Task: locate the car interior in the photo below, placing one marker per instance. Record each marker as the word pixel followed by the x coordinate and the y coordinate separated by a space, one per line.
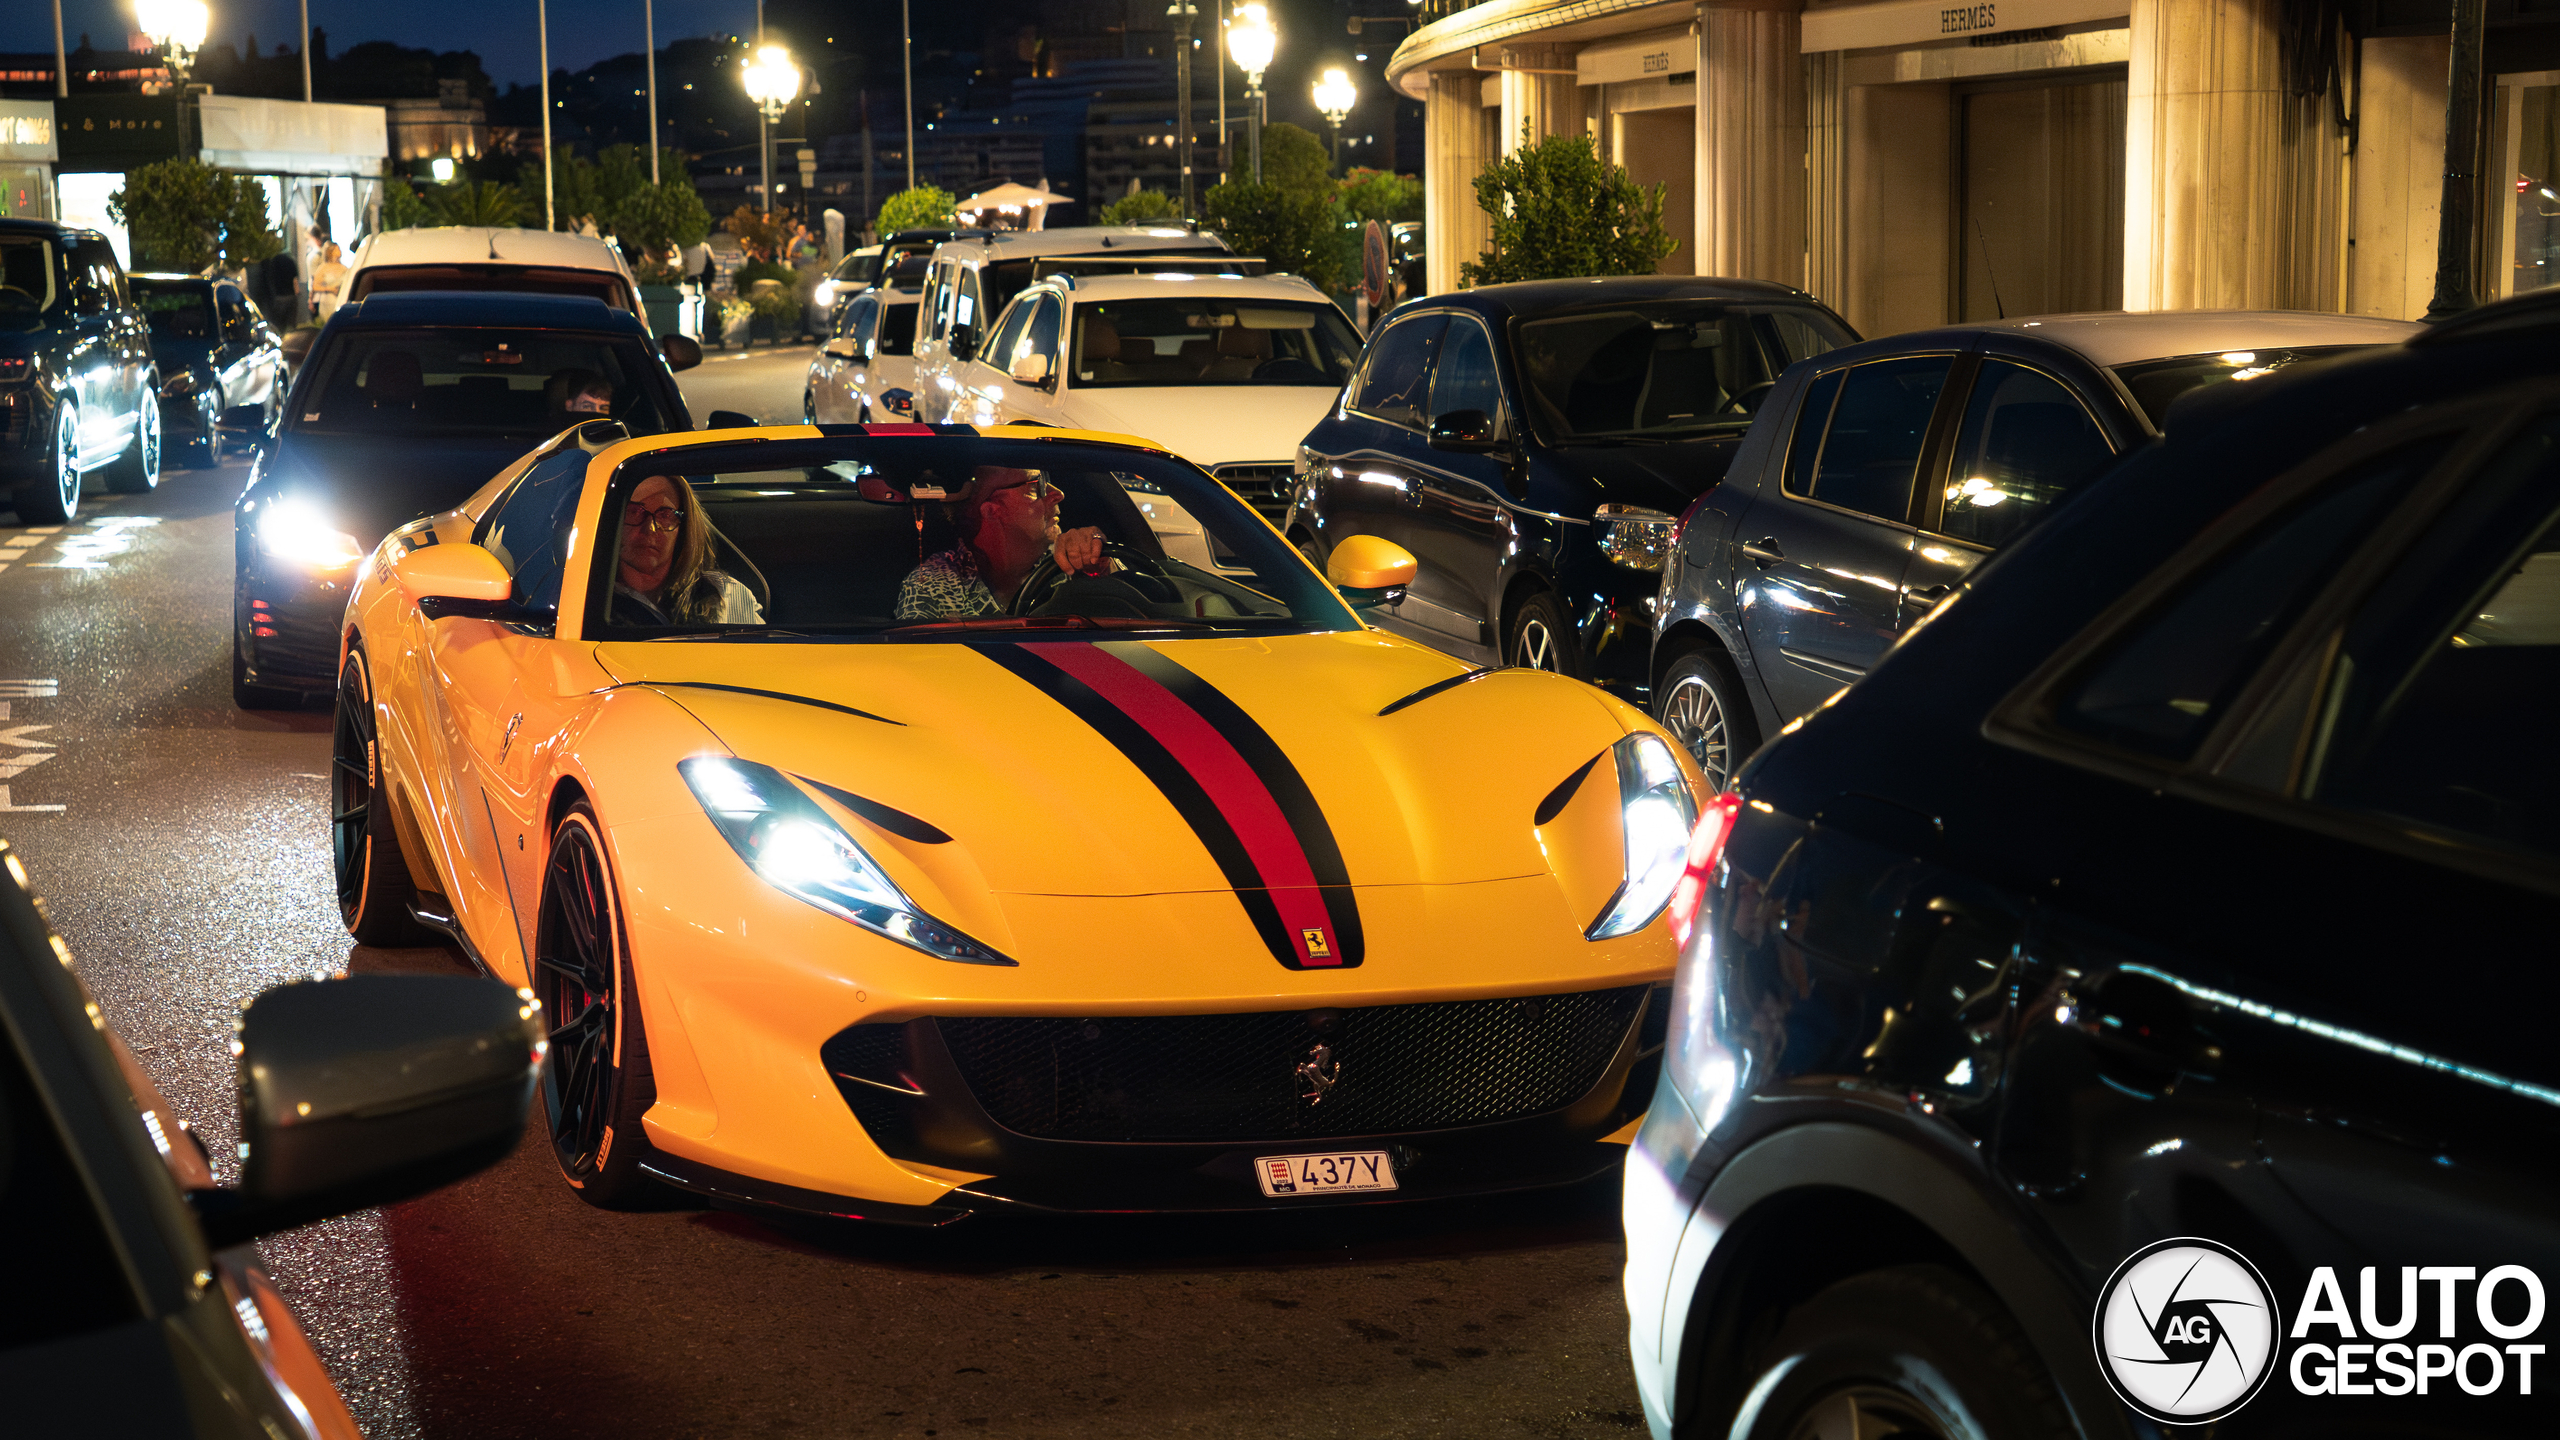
pixel 828 545
pixel 1616 372
pixel 1209 342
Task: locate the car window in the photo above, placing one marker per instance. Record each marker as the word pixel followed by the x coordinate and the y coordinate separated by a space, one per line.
pixel 937 301
pixel 63 1266
pixel 472 382
pixel 177 309
pixel 2157 383
pixel 1042 338
pixel 966 308
pixel 2440 705
pixel 1465 378
pixel 92 287
pixel 28 279
pixel 896 331
pixel 2159 688
pixel 1871 449
pixel 527 529
pixel 1803 334
pixel 2026 442
pixel 1661 368
pixel 852 321
pixel 1394 380
pixel 239 324
pixel 1212 340
pixel 1000 350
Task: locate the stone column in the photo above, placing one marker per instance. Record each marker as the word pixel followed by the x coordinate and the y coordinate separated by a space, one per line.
pixel 2399 175
pixel 1454 144
pixel 1751 142
pixel 2207 169
pixel 1536 105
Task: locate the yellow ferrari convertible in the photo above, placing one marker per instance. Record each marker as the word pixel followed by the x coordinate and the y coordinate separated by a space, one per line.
pixel 891 828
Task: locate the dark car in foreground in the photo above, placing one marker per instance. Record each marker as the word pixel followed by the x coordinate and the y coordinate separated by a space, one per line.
pixel 410 402
pixel 1875 478
pixel 78 392
pixel 222 366
pixel 1530 444
pixel 139 1306
pixel 2182 887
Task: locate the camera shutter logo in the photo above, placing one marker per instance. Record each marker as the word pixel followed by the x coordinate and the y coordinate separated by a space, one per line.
pixel 2186 1331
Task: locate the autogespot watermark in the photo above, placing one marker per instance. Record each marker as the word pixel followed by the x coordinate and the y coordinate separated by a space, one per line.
pixel 2187 1331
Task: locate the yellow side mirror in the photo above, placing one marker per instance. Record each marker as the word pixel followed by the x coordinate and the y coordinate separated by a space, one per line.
pixel 1365 562
pixel 453 572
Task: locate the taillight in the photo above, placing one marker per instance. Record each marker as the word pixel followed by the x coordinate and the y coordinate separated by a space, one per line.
pixel 1706 851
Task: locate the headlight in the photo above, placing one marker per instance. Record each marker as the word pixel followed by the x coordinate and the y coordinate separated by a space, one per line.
pixel 185 382
pixel 1632 535
pixel 826 295
pixel 294 532
pixel 786 839
pixel 1656 814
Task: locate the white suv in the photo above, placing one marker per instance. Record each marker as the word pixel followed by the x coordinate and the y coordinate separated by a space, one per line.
pixel 477 257
pixel 1228 372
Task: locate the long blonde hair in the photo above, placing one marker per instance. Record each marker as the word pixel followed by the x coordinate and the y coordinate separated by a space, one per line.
pixel 693 594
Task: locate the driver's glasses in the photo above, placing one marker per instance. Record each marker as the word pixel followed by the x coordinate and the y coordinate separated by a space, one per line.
pixel 664 519
pixel 1034 489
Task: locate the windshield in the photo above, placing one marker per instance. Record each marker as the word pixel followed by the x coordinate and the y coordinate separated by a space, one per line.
pixel 601 285
pixel 1639 370
pixel 179 308
pixel 897 332
pixel 30 281
pixel 935 537
pixel 2158 383
pixel 1211 340
pixel 529 383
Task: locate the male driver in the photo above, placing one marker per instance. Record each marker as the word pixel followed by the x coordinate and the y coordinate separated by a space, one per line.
pixel 1008 519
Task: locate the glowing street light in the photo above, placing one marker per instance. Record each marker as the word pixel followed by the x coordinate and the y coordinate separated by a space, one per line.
pixel 1251 42
pixel 177 27
pixel 1334 96
pixel 773 81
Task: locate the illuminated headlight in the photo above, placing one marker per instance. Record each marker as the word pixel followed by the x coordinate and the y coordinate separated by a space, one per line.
pixel 294 532
pixel 1633 536
pixel 788 841
pixel 826 293
pixel 1656 814
pixel 185 382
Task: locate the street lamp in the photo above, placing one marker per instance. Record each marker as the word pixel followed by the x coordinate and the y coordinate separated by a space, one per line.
pixel 1251 42
pixel 1335 95
pixel 177 27
pixel 773 82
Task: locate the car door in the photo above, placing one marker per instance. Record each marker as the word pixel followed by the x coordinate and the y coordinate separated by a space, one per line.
pixel 1821 557
pixel 94 360
pixel 1458 529
pixel 985 388
pixel 835 376
pixel 243 361
pixel 2026 441
pixel 1370 486
pixel 1044 403
pixel 932 347
pixel 131 341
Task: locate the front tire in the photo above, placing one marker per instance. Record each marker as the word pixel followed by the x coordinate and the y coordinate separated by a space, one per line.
pixel 1539 638
pixel 137 470
pixel 374 884
pixel 1703 706
pixel 1915 1352
pixel 596 1080
pixel 53 498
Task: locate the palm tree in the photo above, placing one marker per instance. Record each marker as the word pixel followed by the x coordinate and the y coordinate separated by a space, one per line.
pixel 485 203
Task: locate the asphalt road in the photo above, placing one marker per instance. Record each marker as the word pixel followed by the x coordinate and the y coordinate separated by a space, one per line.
pixel 182 846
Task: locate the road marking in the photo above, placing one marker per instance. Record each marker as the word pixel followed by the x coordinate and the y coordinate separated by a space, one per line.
pixel 12 766
pixel 11 807
pixel 107 539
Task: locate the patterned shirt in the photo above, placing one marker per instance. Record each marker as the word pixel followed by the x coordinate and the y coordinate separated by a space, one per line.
pixel 947 586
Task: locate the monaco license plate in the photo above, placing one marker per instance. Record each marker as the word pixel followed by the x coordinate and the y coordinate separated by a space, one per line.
pixel 1340 1172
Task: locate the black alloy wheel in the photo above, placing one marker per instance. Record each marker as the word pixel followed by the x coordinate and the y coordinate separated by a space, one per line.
pixel 137 470
pixel 206 453
pixel 374 885
pixel 1541 640
pixel 596 1081
pixel 53 497
pixel 1704 709
pixel 1916 1352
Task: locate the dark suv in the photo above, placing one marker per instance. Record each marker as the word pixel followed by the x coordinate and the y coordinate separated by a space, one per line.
pixel 78 390
pixel 2183 887
pixel 1531 445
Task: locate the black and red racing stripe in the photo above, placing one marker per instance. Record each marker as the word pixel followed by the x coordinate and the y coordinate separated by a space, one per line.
pixel 1224 775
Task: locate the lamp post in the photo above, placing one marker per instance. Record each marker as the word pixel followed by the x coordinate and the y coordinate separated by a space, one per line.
pixel 177 27
pixel 1182 13
pixel 773 82
pixel 1334 96
pixel 1251 41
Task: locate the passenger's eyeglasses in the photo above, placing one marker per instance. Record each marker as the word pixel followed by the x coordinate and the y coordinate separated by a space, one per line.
pixel 664 519
pixel 1034 490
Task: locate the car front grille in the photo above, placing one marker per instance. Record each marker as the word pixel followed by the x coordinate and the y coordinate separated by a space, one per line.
pixel 1264 487
pixel 1222 1078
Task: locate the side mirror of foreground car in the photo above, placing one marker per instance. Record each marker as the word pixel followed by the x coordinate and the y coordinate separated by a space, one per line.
pixel 1030 369
pixel 1369 571
pixel 841 348
pixel 455 579
pixel 729 420
pixel 683 352
pixel 366 1090
pixel 1469 432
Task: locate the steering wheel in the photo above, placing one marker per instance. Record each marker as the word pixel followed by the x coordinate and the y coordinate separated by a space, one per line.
pixel 17 299
pixel 1139 582
pixel 1746 401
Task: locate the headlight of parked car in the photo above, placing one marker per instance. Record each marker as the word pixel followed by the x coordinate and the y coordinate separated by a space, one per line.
pixel 1633 535
pixel 292 531
pixel 1656 814
pixel 793 846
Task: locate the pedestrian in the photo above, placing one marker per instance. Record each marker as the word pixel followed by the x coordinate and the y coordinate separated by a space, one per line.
pixel 327 279
pixel 284 290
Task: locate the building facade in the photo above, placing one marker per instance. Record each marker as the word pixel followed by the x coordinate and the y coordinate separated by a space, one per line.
pixel 1915 161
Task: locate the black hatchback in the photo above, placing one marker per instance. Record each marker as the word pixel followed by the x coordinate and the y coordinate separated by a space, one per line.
pixel 2130 1004
pixel 1531 444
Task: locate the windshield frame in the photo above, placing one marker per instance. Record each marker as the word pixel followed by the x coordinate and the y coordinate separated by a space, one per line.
pixel 1317 608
